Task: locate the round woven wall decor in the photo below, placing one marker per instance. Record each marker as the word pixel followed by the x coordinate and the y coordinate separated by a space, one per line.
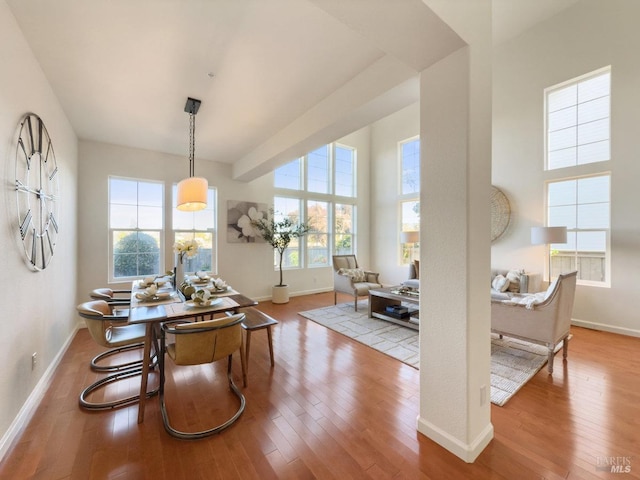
pixel 500 213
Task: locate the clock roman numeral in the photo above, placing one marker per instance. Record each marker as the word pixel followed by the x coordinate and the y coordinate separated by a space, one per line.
pixel 26 155
pixel 30 127
pixel 34 248
pixel 44 257
pixel 53 222
pixel 25 224
pixel 40 134
pixel 50 242
pixel 53 174
pixel 48 150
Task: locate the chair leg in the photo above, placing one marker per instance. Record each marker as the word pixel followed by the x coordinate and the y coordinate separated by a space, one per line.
pixel 355 303
pixel 565 347
pixel 114 351
pixel 84 403
pixel 204 433
pixel 551 356
pixel 335 297
pixel 244 359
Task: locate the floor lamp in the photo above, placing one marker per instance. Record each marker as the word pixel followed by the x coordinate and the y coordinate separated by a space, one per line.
pixel 547 236
pixel 412 238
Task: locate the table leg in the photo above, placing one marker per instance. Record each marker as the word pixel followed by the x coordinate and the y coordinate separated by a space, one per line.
pixel 270 345
pixel 146 360
pixel 247 347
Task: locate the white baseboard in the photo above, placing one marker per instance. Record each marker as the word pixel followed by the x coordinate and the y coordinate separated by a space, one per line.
pixel 296 294
pixel 467 452
pixel 606 328
pixel 33 401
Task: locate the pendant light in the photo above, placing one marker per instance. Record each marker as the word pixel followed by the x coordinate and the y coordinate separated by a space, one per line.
pixel 192 191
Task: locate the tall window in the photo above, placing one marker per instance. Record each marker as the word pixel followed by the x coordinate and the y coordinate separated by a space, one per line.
pixel 344 222
pixel 578 120
pixel 136 213
pixel 200 225
pixel 326 199
pixel 318 237
pixel 582 205
pixel 292 208
pixel 318 171
pixel 409 153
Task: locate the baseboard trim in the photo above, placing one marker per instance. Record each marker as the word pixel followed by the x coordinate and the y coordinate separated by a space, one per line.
pixel 296 294
pixel 467 452
pixel 606 328
pixel 33 401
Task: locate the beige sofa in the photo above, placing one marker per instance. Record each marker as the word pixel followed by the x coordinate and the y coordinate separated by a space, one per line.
pixel 543 318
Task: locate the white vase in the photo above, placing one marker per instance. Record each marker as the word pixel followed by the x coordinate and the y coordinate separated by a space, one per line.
pixel 179 272
pixel 280 294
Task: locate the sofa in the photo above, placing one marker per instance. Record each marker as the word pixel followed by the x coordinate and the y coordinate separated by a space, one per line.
pixel 542 318
pixel 507 282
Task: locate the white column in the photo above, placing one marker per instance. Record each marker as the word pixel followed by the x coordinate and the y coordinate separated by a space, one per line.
pixel 455 252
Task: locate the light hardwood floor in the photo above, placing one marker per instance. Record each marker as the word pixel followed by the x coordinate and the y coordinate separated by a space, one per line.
pixel 334 409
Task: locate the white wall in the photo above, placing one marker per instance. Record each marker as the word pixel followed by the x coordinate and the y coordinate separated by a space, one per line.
pixel 247 267
pixel 590 35
pixel 385 186
pixel 38 308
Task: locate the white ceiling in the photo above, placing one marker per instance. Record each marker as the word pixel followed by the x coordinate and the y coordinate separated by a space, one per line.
pixel 123 69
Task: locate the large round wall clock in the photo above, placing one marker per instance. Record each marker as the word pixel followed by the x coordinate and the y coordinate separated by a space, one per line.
pixel 36 191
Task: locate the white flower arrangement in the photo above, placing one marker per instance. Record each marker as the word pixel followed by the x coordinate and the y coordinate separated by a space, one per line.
pixel 188 248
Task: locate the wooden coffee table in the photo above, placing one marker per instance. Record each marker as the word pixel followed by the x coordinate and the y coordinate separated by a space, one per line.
pixel 381 298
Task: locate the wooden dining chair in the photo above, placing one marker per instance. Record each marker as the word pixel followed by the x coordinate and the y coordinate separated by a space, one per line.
pixel 197 343
pixel 110 329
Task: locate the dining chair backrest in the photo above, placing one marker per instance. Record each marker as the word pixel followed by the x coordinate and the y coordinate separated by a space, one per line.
pixel 98 318
pixel 205 342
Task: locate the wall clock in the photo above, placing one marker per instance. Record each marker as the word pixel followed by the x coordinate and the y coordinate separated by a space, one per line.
pixel 36 191
pixel 500 213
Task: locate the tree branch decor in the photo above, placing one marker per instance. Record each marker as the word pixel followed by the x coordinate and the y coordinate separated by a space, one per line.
pixel 279 234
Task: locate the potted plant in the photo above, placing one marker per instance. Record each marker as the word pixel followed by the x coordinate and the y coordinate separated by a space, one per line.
pixel 279 234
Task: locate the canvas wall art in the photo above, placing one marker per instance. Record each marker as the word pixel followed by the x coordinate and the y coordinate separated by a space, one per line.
pixel 239 217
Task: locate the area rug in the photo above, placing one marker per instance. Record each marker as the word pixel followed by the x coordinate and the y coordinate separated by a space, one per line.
pixel 513 362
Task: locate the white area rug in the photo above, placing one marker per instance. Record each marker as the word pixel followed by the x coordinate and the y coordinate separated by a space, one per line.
pixel 513 362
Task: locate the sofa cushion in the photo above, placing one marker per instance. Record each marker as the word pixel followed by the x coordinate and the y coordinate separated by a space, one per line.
pixel 500 283
pixel 514 280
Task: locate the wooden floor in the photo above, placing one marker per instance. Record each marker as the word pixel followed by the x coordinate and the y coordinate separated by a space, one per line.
pixel 332 408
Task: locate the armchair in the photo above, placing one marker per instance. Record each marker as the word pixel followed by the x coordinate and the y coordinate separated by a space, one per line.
pixel 349 278
pixel 543 318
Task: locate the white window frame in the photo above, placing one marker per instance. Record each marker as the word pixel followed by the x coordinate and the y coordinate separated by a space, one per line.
pixel 111 230
pixel 405 252
pixel 607 254
pixel 577 143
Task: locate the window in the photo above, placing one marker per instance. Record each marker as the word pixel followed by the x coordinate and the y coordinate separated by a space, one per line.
pixel 343 227
pixel 136 213
pixel 292 208
pixel 582 205
pixel 318 237
pixel 578 121
pixel 410 166
pixel 345 162
pixel 289 175
pixel 200 225
pixel 409 152
pixel 318 173
pixel 324 201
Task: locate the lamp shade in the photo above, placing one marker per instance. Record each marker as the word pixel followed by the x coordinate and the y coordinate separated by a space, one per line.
pixel 192 194
pixel 410 237
pixel 547 235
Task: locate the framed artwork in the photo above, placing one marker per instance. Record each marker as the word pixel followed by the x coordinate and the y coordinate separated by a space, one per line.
pixel 239 217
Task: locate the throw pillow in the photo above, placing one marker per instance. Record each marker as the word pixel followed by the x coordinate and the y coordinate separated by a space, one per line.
pixel 500 283
pixel 416 266
pixel 514 280
pixel 356 274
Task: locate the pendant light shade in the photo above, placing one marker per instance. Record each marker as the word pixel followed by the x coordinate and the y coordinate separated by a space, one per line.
pixel 192 194
pixel 192 191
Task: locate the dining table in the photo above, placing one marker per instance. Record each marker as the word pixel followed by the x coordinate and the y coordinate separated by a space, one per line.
pixel 164 303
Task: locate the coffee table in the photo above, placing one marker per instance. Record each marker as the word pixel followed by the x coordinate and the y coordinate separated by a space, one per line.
pixel 381 298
